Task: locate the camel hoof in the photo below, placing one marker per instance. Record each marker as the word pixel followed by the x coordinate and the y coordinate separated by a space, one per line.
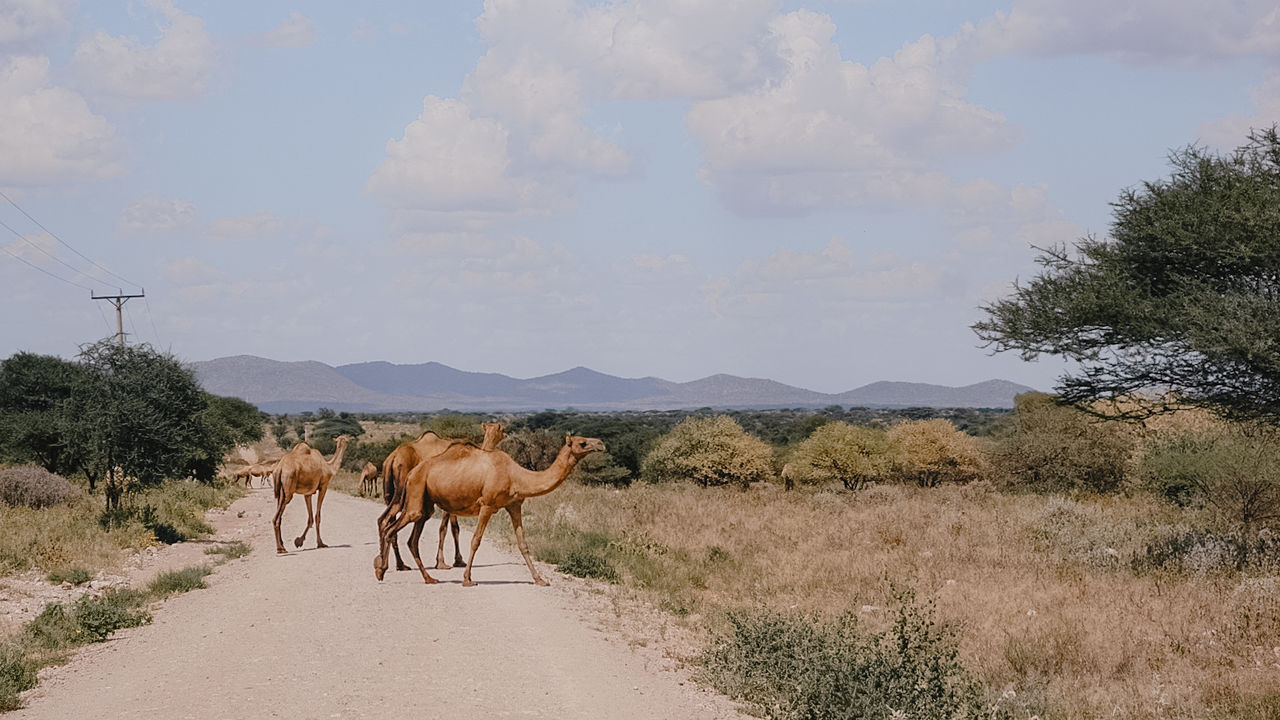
pixel 442 566
pixel 459 563
pixel 468 583
pixel 540 582
pixel 378 573
pixel 297 542
pixel 321 545
pixel 430 580
pixel 281 551
pixel 402 566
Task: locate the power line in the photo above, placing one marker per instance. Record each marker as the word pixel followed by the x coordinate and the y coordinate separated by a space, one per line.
pixel 154 331
pixel 24 261
pixel 64 243
pixel 46 253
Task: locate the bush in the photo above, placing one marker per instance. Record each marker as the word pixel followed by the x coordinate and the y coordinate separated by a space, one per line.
pixel 929 452
pixel 1201 551
pixel 708 451
pixel 587 564
pixel 1050 447
pixel 1233 470
pixel 535 450
pixel 17 673
pixel 98 617
pixel 34 487
pixel 74 575
pixel 851 454
pixel 600 469
pixel 795 667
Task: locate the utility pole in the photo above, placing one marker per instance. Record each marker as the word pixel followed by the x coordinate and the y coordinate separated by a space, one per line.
pixel 119 301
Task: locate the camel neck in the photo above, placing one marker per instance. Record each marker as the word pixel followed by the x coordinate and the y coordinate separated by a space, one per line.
pixel 544 481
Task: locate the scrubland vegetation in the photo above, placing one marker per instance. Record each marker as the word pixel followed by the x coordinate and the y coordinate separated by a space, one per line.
pixel 1055 566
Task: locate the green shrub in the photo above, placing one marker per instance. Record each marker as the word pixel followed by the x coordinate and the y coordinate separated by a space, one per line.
pixel 35 487
pixel 588 564
pixel 17 673
pixel 1049 447
pixel 55 628
pixel 708 451
pixel 838 451
pixel 117 608
pixel 792 667
pixel 1233 470
pixel 179 581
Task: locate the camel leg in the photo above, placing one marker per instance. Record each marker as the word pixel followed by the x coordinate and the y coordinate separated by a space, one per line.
pixel 416 534
pixel 444 531
pixel 515 512
pixel 457 553
pixel 297 542
pixel 275 523
pixel 486 512
pixel 380 563
pixel 319 504
pixel 386 520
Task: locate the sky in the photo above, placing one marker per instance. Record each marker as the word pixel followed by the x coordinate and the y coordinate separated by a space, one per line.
pixel 821 193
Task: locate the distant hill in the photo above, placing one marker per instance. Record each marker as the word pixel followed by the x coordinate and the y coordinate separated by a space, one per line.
pixel 276 386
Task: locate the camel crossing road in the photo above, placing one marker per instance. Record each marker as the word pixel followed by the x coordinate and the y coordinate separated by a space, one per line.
pixel 312 634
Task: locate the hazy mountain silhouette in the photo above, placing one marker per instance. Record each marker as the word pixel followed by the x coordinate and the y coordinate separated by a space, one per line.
pixel 276 386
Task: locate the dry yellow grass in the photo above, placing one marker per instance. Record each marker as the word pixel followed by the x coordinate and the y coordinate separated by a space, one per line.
pixel 1040 588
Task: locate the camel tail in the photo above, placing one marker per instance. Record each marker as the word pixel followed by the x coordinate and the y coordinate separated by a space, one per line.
pixel 388 481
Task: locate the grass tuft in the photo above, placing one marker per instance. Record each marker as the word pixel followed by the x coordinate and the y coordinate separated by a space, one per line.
pixel 233 550
pixel 179 581
pixel 74 575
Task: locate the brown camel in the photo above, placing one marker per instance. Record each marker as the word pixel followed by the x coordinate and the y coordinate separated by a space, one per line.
pixel 262 470
pixel 368 478
pixel 493 434
pixel 465 480
pixel 305 472
pixel 245 473
pixel 396 468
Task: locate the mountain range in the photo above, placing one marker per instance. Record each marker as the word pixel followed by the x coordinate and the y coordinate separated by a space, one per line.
pixel 276 387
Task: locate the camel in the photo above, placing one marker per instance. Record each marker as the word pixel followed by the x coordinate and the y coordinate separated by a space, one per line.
pixel 262 470
pixel 368 478
pixel 465 480
pixel 245 473
pixel 305 472
pixel 396 468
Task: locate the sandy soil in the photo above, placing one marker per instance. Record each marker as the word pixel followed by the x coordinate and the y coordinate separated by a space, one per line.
pixel 312 634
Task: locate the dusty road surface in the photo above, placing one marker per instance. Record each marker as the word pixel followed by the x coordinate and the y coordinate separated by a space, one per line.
pixel 312 635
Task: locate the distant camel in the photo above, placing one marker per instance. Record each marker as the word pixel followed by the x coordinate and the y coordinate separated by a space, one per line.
pixel 368 478
pixel 305 472
pixel 465 480
pixel 403 459
pixel 262 470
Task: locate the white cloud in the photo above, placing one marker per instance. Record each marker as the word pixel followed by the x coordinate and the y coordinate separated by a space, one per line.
pixel 176 67
pixel 49 134
pixel 190 271
pixel 672 264
pixel 297 31
pixel 155 214
pixel 540 102
pixel 24 23
pixel 451 161
pixel 639 49
pixel 245 227
pixel 1233 131
pixel 834 133
pixel 1133 30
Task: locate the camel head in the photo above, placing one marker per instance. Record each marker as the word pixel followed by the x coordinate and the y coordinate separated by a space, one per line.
pixel 580 446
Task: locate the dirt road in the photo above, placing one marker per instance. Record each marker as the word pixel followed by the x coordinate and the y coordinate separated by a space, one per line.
pixel 313 635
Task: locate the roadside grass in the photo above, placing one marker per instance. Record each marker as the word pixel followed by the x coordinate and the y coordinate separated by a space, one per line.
pixel 62 540
pixel 60 628
pixel 233 550
pixel 1049 605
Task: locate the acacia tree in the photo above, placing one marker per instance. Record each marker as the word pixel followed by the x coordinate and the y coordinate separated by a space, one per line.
pixel 134 413
pixel 708 451
pixel 33 390
pixel 1181 306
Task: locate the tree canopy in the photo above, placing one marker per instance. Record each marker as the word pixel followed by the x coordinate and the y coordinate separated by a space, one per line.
pixel 1180 306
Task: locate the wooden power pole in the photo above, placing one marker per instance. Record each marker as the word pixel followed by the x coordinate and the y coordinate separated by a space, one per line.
pixel 119 301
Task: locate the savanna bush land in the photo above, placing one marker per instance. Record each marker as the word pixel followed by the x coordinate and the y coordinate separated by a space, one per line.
pixel 1038 562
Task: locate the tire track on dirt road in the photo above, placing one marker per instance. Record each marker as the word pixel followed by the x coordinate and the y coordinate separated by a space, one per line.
pixel 312 635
